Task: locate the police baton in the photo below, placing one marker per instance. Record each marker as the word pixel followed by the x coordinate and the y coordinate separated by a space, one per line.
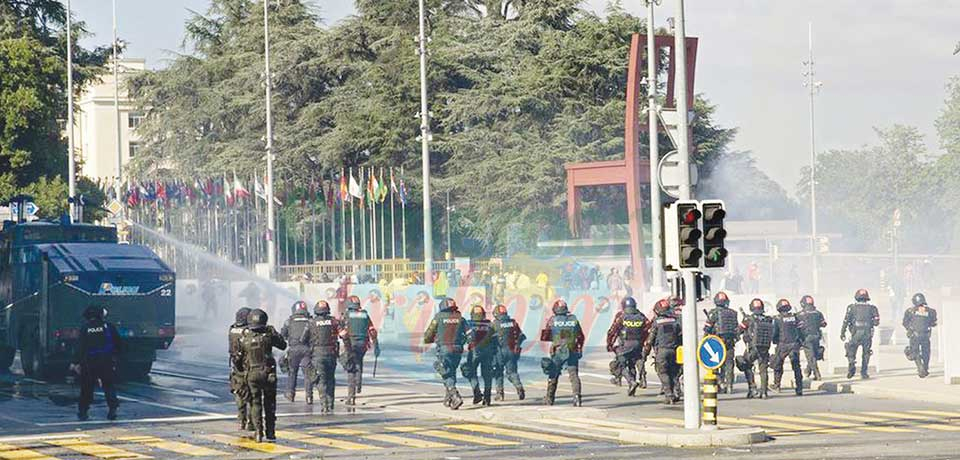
pixel 376 359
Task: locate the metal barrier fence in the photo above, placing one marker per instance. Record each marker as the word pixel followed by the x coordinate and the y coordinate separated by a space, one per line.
pixel 388 269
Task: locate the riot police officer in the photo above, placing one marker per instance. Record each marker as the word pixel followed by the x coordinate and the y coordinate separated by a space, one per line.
pixel 256 359
pixel 447 329
pixel 812 321
pixel 564 333
pixel 362 334
pixel 757 332
pixel 861 318
pixel 629 328
pixel 510 338
pixel 481 353
pixel 665 337
pixel 325 336
pixel 787 334
pixel 722 321
pixel 919 320
pixel 96 361
pixel 296 331
pixel 238 379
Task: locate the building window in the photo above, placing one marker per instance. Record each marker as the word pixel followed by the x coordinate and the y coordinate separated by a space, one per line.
pixel 134 149
pixel 134 120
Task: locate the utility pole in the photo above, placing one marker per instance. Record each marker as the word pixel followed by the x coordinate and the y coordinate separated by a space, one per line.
pixel 813 87
pixel 71 163
pixel 449 247
pixel 116 101
pixel 656 210
pixel 691 370
pixel 271 211
pixel 425 155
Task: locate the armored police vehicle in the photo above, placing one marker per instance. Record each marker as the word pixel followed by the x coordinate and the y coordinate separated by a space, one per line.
pixel 50 272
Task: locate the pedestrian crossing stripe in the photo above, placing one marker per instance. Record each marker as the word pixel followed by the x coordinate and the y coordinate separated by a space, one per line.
pixel 452 436
pixel 938 413
pixel 514 433
pixel 900 415
pixel 832 424
pixel 854 418
pixel 784 427
pixel 323 442
pixel 93 449
pixel 10 452
pixel 173 446
pixel 250 444
pixel 937 427
pixel 340 431
pixel 406 441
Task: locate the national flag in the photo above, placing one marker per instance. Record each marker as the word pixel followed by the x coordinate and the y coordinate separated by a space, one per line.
pixel 343 187
pixel 239 191
pixel 354 189
pixel 330 192
pixel 228 197
pixel 133 194
pixel 371 186
pixel 381 188
pixel 403 192
pixel 258 188
pixel 393 184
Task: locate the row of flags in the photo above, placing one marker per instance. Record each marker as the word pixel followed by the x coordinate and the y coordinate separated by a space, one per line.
pixel 366 189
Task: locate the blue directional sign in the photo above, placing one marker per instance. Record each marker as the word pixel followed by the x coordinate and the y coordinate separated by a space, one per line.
pixel 712 352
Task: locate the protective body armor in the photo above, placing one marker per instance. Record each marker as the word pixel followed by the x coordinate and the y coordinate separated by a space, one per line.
pixel 510 335
pixel 727 321
pixel 480 337
pixel 563 331
pixel 99 339
pixel 863 316
pixel 449 330
pixel 358 324
pixel 760 331
pixel 788 328
pixel 257 349
pixel 324 339
pixel 634 323
pixel 810 322
pixel 668 332
pixel 921 320
pixel 297 331
pixel 233 338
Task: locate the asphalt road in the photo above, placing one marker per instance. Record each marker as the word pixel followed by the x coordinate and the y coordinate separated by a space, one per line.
pixel 185 410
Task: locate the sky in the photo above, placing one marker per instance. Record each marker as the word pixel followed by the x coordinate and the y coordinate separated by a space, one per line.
pixel 881 62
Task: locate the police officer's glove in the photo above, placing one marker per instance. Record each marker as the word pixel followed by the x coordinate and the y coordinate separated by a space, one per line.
pixel 376 349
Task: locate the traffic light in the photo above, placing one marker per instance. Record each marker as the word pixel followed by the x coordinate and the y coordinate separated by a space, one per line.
pixel 714 252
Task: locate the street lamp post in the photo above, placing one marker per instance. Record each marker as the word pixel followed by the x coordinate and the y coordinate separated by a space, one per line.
pixel 425 151
pixel 116 101
pixel 813 87
pixel 655 206
pixel 271 211
pixel 71 163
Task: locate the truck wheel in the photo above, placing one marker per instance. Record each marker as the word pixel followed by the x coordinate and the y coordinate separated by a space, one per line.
pixel 6 358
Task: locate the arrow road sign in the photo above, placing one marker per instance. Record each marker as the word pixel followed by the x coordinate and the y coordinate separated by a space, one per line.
pixel 712 352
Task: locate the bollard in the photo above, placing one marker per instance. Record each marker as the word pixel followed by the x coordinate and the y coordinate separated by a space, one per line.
pixel 709 400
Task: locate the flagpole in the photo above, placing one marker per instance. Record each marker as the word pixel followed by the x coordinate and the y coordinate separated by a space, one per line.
pixel 353 225
pixel 393 221
pixel 373 213
pixel 343 220
pixel 363 220
pixel 403 219
pixel 332 213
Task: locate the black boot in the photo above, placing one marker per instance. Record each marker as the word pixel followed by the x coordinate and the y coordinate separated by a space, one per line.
pixel 577 401
pixel 259 436
pixel 777 376
pixel 477 395
pixel 486 397
pixel 816 373
pixel 633 389
pixel 851 370
pixel 520 393
pixel 864 371
pixel 83 415
pixel 500 395
pixel 289 395
pixel 112 413
pixel 751 392
pixel 455 400
pixel 551 392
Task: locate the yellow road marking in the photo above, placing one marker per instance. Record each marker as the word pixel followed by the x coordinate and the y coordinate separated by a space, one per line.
pixel 324 442
pixel 937 427
pixel 900 415
pixel 855 418
pixel 173 446
pixel 789 427
pixel 452 436
pixel 514 433
pixel 404 441
pixel 11 452
pixel 93 449
pixel 343 431
pixel 835 424
pixel 250 444
pixel 938 413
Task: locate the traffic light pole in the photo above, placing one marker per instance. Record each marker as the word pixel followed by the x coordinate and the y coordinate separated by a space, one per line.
pixel 691 372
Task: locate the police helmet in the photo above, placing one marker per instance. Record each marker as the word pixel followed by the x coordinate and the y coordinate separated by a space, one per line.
pixel 662 306
pixel 242 314
pixel 353 303
pixel 257 319
pixel 862 295
pixel 477 312
pixel 448 304
pixel 721 299
pixel 322 308
pixel 756 306
pixel 807 301
pixel 628 303
pixel 299 308
pixel 783 306
pixel 93 312
pixel 919 299
pixel 500 311
pixel 560 307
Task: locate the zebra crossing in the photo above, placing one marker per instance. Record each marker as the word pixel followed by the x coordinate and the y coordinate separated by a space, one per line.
pixel 128 444
pixel 838 423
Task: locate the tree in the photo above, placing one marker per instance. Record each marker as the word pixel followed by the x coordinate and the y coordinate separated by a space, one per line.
pixel 33 94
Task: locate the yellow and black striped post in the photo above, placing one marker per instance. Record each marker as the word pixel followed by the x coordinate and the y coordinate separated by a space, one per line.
pixel 709 400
